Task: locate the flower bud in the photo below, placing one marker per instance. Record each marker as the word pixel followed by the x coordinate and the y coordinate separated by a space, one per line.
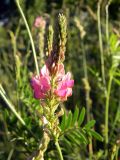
pixel 40 22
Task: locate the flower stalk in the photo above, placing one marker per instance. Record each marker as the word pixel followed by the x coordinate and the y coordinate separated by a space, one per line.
pixel 59 149
pixel 107 112
pixel 43 146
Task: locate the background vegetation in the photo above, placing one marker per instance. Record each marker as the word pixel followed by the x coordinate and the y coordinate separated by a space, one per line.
pixel 92 55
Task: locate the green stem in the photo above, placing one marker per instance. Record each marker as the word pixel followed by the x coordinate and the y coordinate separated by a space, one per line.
pixel 107 111
pixel 116 155
pixel 101 46
pixel 30 36
pixel 86 78
pixel 87 96
pixel 84 60
pixel 59 150
pixel 115 119
pixel 107 26
pixel 10 154
pixel 11 107
pixel 107 21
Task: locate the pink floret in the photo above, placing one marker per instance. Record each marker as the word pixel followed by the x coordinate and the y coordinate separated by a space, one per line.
pixel 41 84
pixel 64 87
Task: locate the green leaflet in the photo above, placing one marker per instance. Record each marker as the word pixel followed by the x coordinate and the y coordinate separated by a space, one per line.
pixel 69 119
pixel 90 124
pixel 72 119
pixel 96 135
pixel 63 123
pixel 75 116
pixel 81 117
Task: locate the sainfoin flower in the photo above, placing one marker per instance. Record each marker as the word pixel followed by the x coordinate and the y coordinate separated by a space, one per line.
pixel 61 89
pixel 39 22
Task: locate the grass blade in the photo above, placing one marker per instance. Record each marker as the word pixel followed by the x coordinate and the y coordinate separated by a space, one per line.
pixel 12 108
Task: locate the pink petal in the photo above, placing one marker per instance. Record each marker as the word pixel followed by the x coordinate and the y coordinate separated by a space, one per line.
pixel 45 84
pixel 35 82
pixel 61 85
pixel 61 71
pixel 64 98
pixel 38 94
pixel 67 76
pixel 44 71
pixel 41 84
pixel 69 92
pixel 70 83
pixel 66 84
pixel 61 93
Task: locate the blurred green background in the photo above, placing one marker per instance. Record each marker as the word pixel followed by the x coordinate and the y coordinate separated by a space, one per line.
pixel 17 65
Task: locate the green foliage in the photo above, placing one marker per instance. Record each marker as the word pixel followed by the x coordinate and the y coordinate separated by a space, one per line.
pixel 74 133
